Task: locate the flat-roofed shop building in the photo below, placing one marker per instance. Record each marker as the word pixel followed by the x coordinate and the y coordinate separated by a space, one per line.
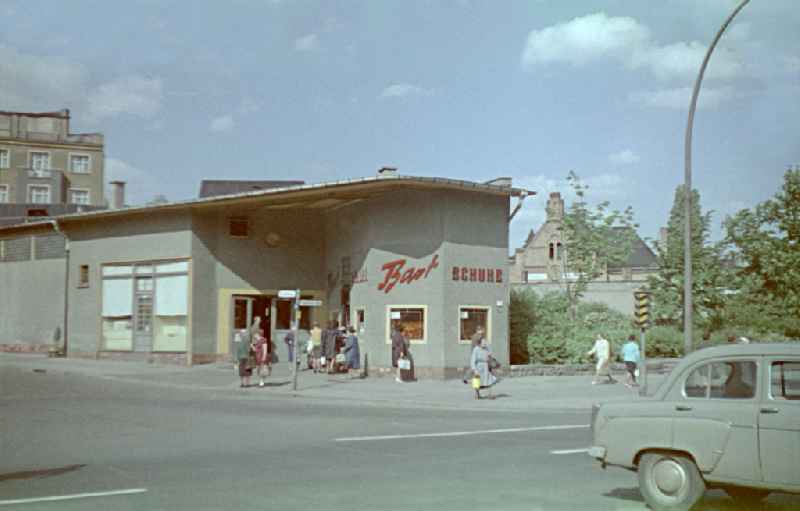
pixel 174 281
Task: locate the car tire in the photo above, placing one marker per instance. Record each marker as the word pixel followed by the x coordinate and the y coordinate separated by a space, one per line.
pixel 669 481
pixel 750 497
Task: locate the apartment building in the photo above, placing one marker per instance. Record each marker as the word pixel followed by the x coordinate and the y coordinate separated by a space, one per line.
pixel 44 167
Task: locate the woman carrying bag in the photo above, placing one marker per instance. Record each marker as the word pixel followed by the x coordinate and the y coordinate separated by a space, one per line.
pixel 482 364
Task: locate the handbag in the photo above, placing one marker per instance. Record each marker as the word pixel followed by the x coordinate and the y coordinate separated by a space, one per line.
pixel 493 364
pixel 340 358
pixel 404 364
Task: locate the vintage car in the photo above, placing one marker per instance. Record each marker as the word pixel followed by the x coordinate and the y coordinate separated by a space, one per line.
pixel 726 417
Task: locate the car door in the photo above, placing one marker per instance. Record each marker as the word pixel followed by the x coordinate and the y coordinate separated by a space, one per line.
pixel 779 422
pixel 715 419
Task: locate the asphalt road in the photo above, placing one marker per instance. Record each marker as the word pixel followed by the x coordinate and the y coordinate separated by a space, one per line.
pixel 176 448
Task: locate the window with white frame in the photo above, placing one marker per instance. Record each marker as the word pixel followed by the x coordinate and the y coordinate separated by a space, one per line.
pixel 4 159
pixel 79 163
pixel 39 194
pixel 411 318
pixel 40 161
pixel 3 193
pixel 472 317
pixel 78 196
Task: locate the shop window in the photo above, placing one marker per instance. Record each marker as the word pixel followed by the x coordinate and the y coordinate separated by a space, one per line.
pixel 83 276
pixel 238 227
pixel 470 319
pixel 149 300
pixel 411 318
pixel 785 380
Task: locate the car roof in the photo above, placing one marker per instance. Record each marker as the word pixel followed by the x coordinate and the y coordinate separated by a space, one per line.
pixel 751 349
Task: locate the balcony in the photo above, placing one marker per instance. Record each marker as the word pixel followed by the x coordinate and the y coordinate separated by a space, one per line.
pixel 41 173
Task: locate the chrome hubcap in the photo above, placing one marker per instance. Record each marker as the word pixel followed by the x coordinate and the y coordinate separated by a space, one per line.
pixel 669 476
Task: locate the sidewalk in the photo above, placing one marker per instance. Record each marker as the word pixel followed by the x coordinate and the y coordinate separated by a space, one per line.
pixel 522 394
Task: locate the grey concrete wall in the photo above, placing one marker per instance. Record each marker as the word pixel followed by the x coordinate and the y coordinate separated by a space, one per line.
pixel 204 284
pixel 129 239
pixel 477 237
pixel 405 225
pixel 617 295
pixel 458 228
pixel 31 301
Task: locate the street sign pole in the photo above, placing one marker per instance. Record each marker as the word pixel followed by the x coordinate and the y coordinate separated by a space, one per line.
pixel 293 347
pixel 643 365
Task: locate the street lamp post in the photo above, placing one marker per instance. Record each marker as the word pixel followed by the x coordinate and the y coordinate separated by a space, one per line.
pixel 687 231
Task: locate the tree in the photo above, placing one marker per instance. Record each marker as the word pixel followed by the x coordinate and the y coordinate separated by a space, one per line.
pixel 593 240
pixel 708 271
pixel 766 241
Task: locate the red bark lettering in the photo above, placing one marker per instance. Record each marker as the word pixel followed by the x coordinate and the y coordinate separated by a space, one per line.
pixel 499 277
pixel 481 275
pixel 434 264
pixel 490 274
pixel 464 273
pixel 455 272
pixel 392 269
pixel 473 274
pixel 418 274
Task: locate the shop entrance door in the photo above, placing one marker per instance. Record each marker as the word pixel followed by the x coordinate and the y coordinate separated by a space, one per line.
pixel 143 314
pixel 245 309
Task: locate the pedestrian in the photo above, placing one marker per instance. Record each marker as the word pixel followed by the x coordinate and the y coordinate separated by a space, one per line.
pixel 352 352
pixel 263 362
pixel 601 350
pixel 481 364
pixel 290 343
pixel 242 343
pixel 399 349
pixel 316 346
pixel 330 348
pixel 478 336
pixel 631 356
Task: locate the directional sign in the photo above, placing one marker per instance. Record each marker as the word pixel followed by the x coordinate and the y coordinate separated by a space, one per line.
pixel 287 293
pixel 310 303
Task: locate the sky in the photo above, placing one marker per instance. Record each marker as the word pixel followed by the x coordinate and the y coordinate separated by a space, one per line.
pixel 474 90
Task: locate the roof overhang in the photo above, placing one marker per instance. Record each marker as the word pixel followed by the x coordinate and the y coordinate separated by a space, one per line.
pixel 320 197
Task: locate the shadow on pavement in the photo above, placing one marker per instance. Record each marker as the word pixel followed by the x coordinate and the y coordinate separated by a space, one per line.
pixel 631 494
pixel 45 472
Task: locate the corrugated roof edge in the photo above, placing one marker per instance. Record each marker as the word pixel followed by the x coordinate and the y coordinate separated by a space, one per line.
pixel 454 183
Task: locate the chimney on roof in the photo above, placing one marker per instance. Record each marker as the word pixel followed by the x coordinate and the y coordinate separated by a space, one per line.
pixel 387 171
pixel 117 194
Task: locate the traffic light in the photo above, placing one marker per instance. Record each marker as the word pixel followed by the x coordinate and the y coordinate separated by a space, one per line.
pixel 641 307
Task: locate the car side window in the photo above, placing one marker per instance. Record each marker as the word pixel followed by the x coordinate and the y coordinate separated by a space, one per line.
pixel 733 380
pixel 722 380
pixel 697 383
pixel 785 380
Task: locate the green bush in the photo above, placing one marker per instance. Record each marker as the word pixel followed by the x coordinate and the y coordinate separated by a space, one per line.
pixel 664 342
pixel 522 318
pixel 559 339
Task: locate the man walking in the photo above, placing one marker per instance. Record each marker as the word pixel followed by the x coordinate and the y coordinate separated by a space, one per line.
pixel 631 356
pixel 601 350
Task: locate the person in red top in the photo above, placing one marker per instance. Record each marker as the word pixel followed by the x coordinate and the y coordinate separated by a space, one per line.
pixel 261 350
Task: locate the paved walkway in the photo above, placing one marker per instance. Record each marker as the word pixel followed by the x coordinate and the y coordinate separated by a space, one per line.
pixel 525 394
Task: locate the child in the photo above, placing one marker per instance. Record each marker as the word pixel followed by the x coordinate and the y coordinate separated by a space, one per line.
pixel 476 384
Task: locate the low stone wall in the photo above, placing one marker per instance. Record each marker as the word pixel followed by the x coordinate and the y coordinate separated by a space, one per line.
pixel 25 348
pixel 660 366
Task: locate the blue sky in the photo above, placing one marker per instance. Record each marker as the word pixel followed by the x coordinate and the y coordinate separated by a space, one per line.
pixel 293 89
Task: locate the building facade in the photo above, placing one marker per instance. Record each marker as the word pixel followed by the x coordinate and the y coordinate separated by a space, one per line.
pixel 42 164
pixel 538 264
pixel 176 281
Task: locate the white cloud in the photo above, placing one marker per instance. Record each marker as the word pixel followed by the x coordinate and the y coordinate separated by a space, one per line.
pixel 595 36
pixel 401 90
pixel 624 157
pixel 133 95
pixel 307 43
pixel 678 98
pixel 223 124
pixel 583 39
pixel 140 187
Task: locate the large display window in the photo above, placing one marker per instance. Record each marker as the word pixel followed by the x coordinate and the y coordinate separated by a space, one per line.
pixel 413 318
pixel 145 306
pixel 470 318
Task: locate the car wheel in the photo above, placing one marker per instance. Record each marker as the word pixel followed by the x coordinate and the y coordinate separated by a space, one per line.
pixel 750 497
pixel 670 482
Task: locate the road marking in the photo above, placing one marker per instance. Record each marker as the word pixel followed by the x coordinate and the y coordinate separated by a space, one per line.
pixel 569 451
pixel 75 496
pixel 459 433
